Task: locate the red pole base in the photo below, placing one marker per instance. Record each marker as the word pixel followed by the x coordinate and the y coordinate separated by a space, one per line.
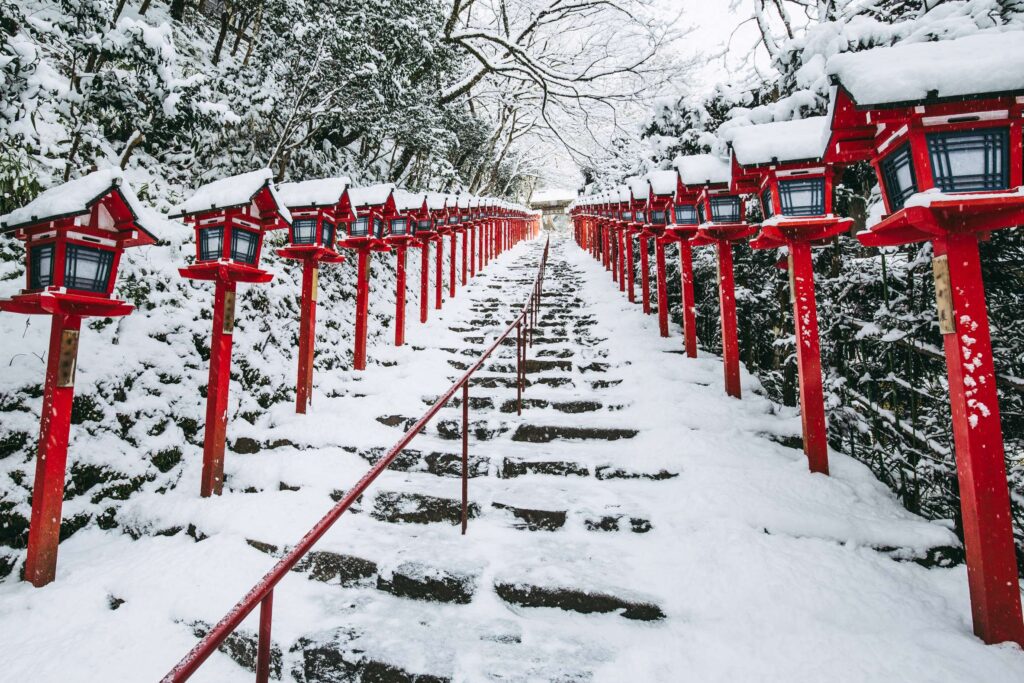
pixel 689 300
pixel 439 274
pixel 808 355
pixel 400 296
pixel 52 453
pixel 424 281
pixel 630 274
pixel 727 302
pixel 307 335
pixel 212 481
pixel 362 309
pixel 659 257
pixel 451 269
pixel 645 275
pixel 980 456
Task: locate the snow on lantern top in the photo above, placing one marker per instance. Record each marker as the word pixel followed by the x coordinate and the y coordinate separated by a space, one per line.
pixel 702 169
pixel 662 182
pixel 313 193
pixel 781 141
pixel 983 63
pixel 255 188
pixel 374 206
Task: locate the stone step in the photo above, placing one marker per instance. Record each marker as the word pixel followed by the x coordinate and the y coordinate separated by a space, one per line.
pixel 440 464
pixel 571 407
pixel 576 600
pixel 549 433
pixel 605 472
pixel 416 508
pixel 511 468
pixel 339 655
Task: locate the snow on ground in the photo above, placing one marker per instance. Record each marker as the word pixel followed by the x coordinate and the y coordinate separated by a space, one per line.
pixel 757 569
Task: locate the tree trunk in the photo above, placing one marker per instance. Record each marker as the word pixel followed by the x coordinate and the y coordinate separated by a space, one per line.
pixel 178 9
pixel 225 20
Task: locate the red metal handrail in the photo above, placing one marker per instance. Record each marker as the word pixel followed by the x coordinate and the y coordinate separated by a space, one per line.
pixel 263 592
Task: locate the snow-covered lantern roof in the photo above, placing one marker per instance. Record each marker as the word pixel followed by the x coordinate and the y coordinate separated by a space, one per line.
pixel 784 164
pixel 230 217
pixel 703 194
pixel 318 207
pixel 942 116
pixel 374 207
pixel 639 190
pixel 75 234
pixel 411 210
pixel 662 187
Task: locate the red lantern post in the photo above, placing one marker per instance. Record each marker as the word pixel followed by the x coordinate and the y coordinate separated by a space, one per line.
pixel 74 236
pixel 230 217
pixel 947 153
pixel 639 191
pixel 720 218
pixel 784 165
pixel 373 207
pixel 317 207
pixel 411 211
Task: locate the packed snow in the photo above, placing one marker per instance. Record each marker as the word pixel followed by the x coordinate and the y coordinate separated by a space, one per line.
pixel 700 169
pixel 799 140
pixel 319 192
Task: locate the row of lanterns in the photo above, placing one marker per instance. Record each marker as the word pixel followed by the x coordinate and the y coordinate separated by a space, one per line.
pixel 75 235
pixel 947 154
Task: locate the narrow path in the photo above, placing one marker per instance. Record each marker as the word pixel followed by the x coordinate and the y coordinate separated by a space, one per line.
pixel 633 525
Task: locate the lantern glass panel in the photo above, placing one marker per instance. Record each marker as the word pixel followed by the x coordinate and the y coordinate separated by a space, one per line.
pixel 659 218
pixel 378 226
pixel 640 218
pixel 87 268
pixel 725 209
pixel 452 220
pixel 423 226
pixel 686 215
pixel 627 215
pixel 399 226
pixel 898 177
pixel 438 222
pixel 360 227
pixel 243 245
pixel 211 243
pixel 328 234
pixel 804 197
pixel 767 209
pixel 304 231
pixel 41 266
pixel 971 161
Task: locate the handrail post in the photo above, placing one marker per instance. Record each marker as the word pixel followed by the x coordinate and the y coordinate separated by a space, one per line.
pixel 519 368
pixel 263 647
pixel 465 456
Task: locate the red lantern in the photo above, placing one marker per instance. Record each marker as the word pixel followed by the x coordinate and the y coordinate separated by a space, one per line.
pixel 74 236
pixel 784 165
pixel 318 208
pixel 720 221
pixel 444 220
pixel 373 207
pixel 942 125
pixel 623 215
pixel 230 217
pixel 412 211
pixel 637 218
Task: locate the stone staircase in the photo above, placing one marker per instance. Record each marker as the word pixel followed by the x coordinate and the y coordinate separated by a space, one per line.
pixel 543 561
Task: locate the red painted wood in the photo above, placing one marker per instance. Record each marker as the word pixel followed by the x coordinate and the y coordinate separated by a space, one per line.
pixel 622 259
pixel 51 461
pixel 472 251
pixel 451 263
pixel 727 303
pixel 630 268
pixel 307 337
pixel 424 280
pixel 218 384
pixel 645 274
pixel 659 257
pixel 439 273
pixel 400 295
pixel 808 353
pixel 465 254
pixel 689 300
pixel 980 458
pixel 362 309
